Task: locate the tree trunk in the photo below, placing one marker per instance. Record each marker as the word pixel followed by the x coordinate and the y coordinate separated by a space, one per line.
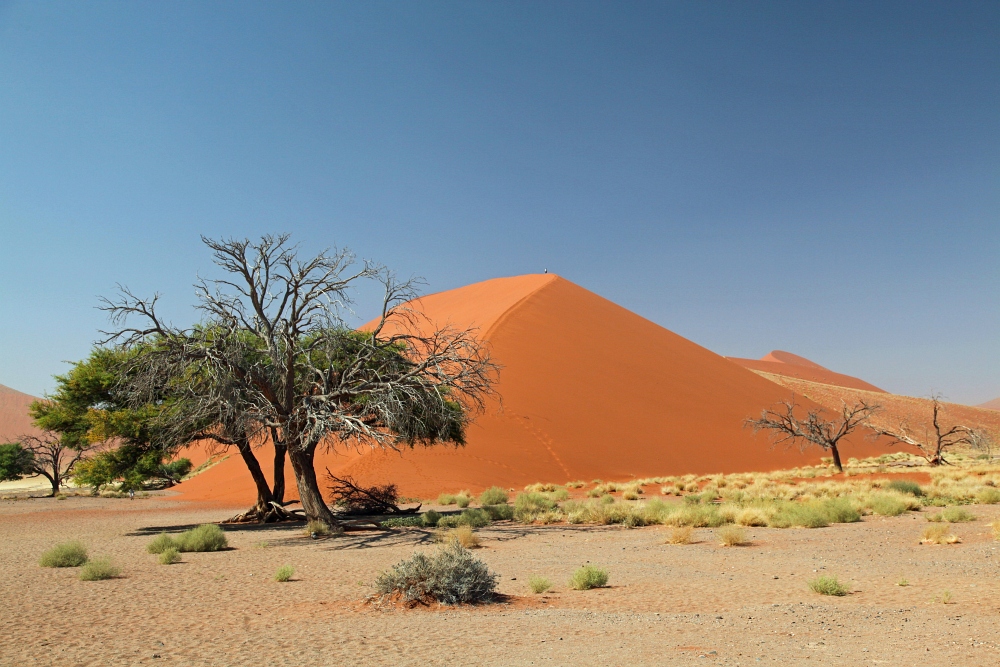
pixel 279 473
pixel 309 493
pixel 264 495
pixel 836 458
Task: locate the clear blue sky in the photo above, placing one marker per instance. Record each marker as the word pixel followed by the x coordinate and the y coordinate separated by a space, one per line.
pixel 817 177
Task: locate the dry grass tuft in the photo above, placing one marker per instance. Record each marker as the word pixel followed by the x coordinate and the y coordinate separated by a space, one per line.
pixel 680 535
pixel 938 534
pixel 732 536
pixel 539 584
pixel 829 585
pixel 588 577
pixel 464 535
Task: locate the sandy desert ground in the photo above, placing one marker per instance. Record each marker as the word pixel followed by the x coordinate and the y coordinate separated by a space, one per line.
pixel 697 604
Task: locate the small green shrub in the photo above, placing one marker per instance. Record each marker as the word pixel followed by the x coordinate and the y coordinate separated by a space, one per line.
pixel 957 515
pixel 430 518
pixel 840 510
pixel 988 496
pixel 450 576
pixel 463 501
pixel 588 577
pixel 161 543
pixel 207 537
pixel 169 556
pixel 68 554
pixel 475 518
pixel 499 512
pixel 905 486
pixel 402 522
pixel 828 585
pixel 318 527
pixel 98 570
pixel 446 499
pixel 528 506
pixel 284 573
pixel 539 584
pixel 805 515
pixel 886 504
pixel 493 496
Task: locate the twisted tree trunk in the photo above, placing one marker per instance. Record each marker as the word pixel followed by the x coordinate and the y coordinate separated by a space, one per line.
pixel 305 478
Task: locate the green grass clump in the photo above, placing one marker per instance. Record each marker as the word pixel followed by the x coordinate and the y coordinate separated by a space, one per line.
pixel 840 510
pixel 446 499
pixel 528 506
pixel 499 512
pixel 402 522
pixel 588 577
pixel 68 554
pixel 988 496
pixel 169 556
pixel 99 569
pixel 463 500
pixel 805 515
pixel 539 584
pixel 318 527
pixel 161 543
pixel 430 518
pixel 905 486
pixel 828 585
pixel 887 504
pixel 957 515
pixel 493 496
pixel 474 518
pixel 284 573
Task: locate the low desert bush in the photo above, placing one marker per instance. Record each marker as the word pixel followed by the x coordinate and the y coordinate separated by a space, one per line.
pixel 463 499
pixel 68 554
pixel 938 534
pixel 206 537
pixel 475 518
pixel 169 556
pixel 499 512
pixel 957 515
pixel 905 486
pixel 284 573
pixel 430 518
pixel 402 522
pixel 588 577
pixel 446 499
pixel 732 536
pixel 464 535
pixel 450 576
pixel 579 484
pixel 538 584
pixel 161 543
pixel 318 527
pixel 493 496
pixel 805 515
pixel 988 496
pixel 98 570
pixel 680 535
pixel 829 585
pixel 751 516
pixel 528 506
pixel 887 504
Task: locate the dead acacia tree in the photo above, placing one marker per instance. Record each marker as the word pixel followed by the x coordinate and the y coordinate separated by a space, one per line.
pixel 932 443
pixel 274 333
pixel 814 429
pixel 51 458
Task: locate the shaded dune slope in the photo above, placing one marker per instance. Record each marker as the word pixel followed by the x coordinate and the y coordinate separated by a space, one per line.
pixel 792 365
pixel 589 390
pixel 990 405
pixel 14 417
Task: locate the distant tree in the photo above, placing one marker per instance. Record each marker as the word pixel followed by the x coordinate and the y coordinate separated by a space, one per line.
pixel 50 457
pixel 934 442
pixel 815 429
pixel 274 340
pixel 16 462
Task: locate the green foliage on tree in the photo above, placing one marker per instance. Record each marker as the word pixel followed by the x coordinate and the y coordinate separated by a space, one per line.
pixel 15 462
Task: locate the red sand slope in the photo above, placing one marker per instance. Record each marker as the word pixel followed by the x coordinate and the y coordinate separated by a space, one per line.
pixel 990 405
pixel 792 365
pixel 14 417
pixel 589 390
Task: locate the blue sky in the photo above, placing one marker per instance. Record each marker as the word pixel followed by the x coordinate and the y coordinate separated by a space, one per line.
pixel 822 178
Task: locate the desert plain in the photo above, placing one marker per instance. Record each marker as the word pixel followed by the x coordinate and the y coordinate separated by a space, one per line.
pixel 699 603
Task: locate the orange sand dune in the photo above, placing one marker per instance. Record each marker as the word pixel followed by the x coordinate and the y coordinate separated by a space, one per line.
pixel 990 405
pixel 589 389
pixel 792 365
pixel 14 417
